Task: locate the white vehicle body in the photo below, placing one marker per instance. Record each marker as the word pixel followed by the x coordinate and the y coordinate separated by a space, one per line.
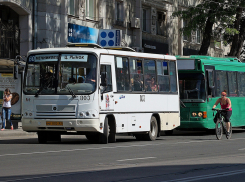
pixel 123 111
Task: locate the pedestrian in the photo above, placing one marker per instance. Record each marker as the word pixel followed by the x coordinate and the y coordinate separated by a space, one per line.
pixel 6 110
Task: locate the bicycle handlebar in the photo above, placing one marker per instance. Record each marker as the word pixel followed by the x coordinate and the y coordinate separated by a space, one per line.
pixel 219 109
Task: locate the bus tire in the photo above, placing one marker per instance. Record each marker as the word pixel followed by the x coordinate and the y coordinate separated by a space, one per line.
pixel 105 134
pixel 42 137
pixel 152 134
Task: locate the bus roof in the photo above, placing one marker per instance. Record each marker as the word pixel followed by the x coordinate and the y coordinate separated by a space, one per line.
pixel 100 51
pixel 203 58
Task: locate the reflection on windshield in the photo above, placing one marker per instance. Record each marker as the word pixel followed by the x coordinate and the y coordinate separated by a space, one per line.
pixel 192 86
pixel 73 77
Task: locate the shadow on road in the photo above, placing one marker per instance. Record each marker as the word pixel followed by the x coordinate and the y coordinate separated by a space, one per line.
pixel 80 139
pixel 210 172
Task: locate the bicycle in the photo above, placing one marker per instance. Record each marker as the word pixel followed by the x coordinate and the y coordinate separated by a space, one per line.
pixel 220 126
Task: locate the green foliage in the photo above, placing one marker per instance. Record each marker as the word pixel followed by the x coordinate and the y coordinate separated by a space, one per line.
pixel 221 12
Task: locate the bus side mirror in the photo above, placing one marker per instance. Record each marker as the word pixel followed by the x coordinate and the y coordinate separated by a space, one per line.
pixel 16 72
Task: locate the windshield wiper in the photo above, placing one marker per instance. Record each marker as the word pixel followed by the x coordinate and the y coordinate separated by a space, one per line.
pixel 47 84
pixel 71 91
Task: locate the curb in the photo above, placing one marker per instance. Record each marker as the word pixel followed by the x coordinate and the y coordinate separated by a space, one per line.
pixel 15 133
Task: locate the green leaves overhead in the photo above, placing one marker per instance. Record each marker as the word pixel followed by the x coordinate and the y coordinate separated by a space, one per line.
pixel 216 19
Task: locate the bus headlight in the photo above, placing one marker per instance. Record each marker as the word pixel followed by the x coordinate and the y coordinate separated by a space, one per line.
pixel 194 114
pixel 200 114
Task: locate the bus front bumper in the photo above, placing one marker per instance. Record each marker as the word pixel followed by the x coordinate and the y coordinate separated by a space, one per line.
pixel 195 125
pixel 84 125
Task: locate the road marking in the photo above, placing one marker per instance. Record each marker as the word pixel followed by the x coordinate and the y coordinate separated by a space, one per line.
pixel 136 159
pixel 216 175
pixel 114 147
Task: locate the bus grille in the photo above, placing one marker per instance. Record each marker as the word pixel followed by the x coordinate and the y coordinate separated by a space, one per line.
pixel 55 111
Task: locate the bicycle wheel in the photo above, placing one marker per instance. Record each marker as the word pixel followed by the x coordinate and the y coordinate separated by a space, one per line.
pixel 218 129
pixel 229 136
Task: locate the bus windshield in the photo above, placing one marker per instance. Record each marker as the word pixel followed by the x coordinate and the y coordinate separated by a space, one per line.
pixel 192 87
pixel 74 74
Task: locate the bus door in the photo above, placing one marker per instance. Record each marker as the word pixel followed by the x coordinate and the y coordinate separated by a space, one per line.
pixel 106 91
pixel 210 77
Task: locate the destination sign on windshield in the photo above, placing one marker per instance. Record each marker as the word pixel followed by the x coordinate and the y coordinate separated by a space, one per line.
pixel 43 57
pixel 74 57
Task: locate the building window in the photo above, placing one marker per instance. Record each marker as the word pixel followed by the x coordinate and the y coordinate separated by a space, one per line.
pixel 90 4
pixel 185 37
pixel 161 23
pixel 146 21
pixel 72 7
pixel 119 10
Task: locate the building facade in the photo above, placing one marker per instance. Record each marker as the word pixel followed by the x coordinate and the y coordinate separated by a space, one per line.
pixel 146 26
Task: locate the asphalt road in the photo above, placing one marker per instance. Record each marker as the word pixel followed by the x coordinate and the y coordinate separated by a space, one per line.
pixel 182 157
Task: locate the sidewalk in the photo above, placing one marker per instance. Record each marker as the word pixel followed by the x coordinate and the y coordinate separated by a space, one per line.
pixel 15 133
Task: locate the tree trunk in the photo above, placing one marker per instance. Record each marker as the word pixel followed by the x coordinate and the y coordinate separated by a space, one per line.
pixel 235 47
pixel 206 36
pixel 241 39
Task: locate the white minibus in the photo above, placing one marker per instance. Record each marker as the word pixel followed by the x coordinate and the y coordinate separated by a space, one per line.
pixel 99 92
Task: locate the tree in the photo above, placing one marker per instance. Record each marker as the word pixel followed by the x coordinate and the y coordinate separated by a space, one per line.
pixel 237 40
pixel 212 18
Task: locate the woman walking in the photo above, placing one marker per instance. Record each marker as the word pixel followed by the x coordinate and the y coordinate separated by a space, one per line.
pixel 7 108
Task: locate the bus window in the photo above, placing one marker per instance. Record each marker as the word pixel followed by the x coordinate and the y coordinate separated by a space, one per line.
pixel 210 78
pixel 33 81
pixel 76 75
pixel 210 82
pixel 150 76
pixel 221 78
pixel 136 74
pixel 173 78
pixel 122 73
pixel 105 75
pixel 241 83
pixel 192 86
pixel 232 84
pixel 163 76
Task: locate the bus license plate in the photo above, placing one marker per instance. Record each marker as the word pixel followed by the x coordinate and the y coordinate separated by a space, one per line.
pixel 54 123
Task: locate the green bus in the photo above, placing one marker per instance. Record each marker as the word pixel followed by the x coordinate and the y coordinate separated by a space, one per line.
pixel 201 81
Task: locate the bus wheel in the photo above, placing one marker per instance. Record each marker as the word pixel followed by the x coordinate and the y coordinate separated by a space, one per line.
pixel 42 137
pixel 104 136
pixel 152 135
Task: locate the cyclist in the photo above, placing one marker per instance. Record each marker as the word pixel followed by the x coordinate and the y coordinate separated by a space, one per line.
pixel 225 104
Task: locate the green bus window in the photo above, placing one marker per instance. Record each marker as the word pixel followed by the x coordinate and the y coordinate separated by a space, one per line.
pixel 136 74
pixel 221 78
pixel 232 84
pixel 122 73
pixel 173 78
pixel 150 76
pixel 163 76
pixel 241 83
